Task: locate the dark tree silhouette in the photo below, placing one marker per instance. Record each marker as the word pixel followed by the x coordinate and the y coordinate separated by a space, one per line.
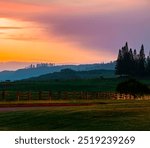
pixel 133 87
pixel 148 65
pixel 125 61
pixel 119 64
pixel 142 62
pixel 135 62
pixel 130 63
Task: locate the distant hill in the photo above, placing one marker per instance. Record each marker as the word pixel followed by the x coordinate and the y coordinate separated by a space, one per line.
pixel 35 72
pixel 66 74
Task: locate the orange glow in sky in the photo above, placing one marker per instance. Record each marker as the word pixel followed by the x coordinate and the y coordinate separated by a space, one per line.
pixel 25 42
pixel 71 31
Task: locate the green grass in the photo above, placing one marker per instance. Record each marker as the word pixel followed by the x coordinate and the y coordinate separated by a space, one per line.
pixel 63 85
pixel 103 85
pixel 103 115
pixel 113 115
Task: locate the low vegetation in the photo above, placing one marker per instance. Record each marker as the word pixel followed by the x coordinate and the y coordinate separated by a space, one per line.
pixel 109 115
pixel 133 87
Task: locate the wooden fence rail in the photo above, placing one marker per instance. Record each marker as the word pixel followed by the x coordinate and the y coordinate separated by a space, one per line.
pixel 65 95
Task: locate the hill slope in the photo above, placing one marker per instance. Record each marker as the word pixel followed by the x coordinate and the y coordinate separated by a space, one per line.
pixel 67 74
pixel 35 72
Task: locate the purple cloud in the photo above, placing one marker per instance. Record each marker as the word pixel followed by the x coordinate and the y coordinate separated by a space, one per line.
pixel 97 32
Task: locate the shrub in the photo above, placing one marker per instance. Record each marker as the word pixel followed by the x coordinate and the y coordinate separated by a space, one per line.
pixel 133 87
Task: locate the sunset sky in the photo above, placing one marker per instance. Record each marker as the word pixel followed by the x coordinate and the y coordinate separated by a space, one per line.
pixel 71 31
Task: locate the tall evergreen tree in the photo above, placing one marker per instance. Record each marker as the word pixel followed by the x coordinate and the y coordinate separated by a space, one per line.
pixel 119 64
pixel 125 49
pixel 135 62
pixel 148 65
pixel 127 62
pixel 132 64
pixel 142 62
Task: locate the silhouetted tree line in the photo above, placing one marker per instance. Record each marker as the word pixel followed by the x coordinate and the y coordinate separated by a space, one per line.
pixel 41 65
pixel 132 64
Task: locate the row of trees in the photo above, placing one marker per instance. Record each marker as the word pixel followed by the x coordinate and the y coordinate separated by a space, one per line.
pixel 41 65
pixel 132 64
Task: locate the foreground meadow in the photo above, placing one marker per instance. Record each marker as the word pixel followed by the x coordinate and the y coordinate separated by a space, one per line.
pixel 108 115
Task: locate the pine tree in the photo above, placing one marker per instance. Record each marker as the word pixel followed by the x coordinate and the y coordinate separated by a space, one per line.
pixel 125 49
pixel 131 63
pixel 127 60
pixel 148 65
pixel 142 62
pixel 119 66
pixel 135 62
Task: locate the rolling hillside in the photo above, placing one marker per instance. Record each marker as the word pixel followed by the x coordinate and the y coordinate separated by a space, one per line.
pixel 66 74
pixel 35 72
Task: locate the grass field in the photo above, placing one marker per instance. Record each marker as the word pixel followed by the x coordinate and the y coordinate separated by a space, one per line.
pixel 62 85
pixel 110 115
pixel 103 85
pixel 97 115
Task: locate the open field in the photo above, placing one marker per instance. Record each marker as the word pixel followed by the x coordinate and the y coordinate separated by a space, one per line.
pixel 62 85
pixel 62 107
pixel 109 115
pixel 102 85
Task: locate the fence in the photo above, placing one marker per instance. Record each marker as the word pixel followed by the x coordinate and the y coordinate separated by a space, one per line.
pixel 64 95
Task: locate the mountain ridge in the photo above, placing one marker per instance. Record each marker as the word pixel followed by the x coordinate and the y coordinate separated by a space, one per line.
pixel 35 72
